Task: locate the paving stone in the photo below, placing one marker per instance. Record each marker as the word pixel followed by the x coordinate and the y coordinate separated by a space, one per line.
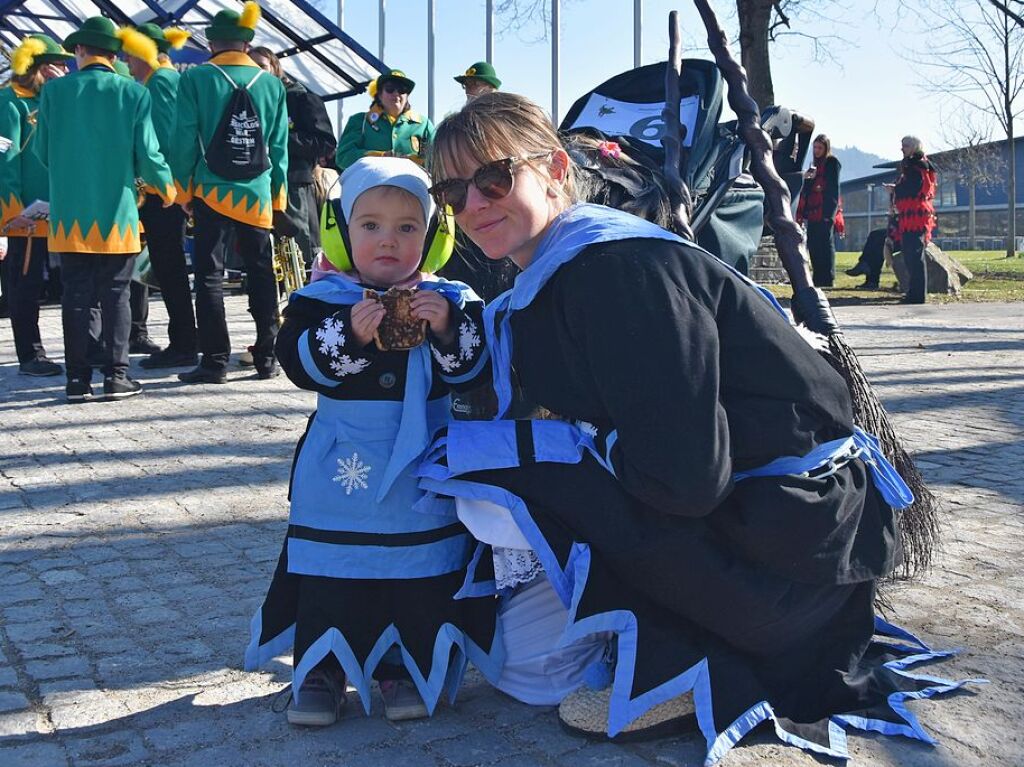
pixel 12 701
pixel 143 587
pixel 111 750
pixel 38 754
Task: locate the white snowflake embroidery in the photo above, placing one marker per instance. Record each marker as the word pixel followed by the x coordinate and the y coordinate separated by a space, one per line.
pixel 346 366
pixel 331 337
pixel 587 428
pixel 352 474
pixel 448 362
pixel 468 340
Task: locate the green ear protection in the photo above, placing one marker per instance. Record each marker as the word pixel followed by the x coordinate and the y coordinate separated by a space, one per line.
pixel 437 248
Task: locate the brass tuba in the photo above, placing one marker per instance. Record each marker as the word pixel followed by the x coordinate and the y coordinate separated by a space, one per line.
pixel 289 271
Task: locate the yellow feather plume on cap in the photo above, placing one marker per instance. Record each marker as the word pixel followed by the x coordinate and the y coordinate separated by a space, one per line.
pixel 136 44
pixel 250 15
pixel 177 37
pixel 25 54
pixel 371 89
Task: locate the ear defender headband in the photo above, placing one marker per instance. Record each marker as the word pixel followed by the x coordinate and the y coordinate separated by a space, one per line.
pixel 437 248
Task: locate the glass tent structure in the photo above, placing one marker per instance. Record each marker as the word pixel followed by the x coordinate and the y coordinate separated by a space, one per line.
pixel 313 50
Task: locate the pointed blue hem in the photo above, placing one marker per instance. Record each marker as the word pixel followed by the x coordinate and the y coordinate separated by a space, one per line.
pixel 570 584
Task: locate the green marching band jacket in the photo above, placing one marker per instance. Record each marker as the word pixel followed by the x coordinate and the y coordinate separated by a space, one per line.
pixel 162 84
pixel 22 177
pixel 203 94
pixel 93 200
pixel 374 132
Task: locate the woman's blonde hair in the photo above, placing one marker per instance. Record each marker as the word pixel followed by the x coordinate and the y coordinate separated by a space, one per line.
pixel 492 127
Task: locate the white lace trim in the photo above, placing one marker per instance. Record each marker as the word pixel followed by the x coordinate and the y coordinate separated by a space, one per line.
pixel 515 566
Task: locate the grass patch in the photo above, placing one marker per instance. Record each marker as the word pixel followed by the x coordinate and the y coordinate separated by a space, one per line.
pixel 996 278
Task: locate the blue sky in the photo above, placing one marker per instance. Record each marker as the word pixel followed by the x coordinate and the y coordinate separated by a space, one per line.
pixel 866 97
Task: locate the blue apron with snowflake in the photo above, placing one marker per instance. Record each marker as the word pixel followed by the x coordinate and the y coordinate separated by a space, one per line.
pixel 354 474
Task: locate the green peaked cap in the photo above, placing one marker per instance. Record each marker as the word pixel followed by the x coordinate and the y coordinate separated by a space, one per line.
pixel 96 32
pixel 480 71
pixel 53 53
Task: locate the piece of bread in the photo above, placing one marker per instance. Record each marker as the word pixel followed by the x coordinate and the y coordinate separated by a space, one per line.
pixel 399 330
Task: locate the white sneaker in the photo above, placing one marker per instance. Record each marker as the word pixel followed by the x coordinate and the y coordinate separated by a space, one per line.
pixel 402 701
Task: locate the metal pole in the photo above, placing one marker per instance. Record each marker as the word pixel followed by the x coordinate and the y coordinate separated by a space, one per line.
pixel 341 102
pixel 381 27
pixel 554 61
pixel 430 60
pixel 638 27
pixel 490 31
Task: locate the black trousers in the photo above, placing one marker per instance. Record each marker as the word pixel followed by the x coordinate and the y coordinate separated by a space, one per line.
pixel 165 233
pixel 302 210
pixel 822 248
pixel 912 244
pixel 23 292
pixel 873 256
pixel 90 278
pixel 255 248
pixel 138 301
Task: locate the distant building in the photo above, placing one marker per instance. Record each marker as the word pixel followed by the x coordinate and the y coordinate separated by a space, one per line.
pixel 864 213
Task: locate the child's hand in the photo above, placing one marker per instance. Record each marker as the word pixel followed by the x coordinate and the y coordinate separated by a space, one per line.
pixel 366 317
pixel 431 306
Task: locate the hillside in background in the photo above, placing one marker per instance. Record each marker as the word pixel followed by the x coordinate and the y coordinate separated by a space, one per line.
pixel 856 162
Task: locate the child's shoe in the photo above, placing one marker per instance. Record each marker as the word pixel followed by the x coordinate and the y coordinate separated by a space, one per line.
pixel 402 701
pixel 321 698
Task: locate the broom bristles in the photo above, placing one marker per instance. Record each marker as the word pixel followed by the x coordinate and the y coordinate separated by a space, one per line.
pixel 918 523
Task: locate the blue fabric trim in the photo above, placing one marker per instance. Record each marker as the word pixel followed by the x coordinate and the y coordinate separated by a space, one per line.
pixel 613 437
pixel 255 653
pixel 570 584
pixel 471 588
pixel 359 562
pixel 430 688
pixel 561 580
pixel 309 365
pixel 481 445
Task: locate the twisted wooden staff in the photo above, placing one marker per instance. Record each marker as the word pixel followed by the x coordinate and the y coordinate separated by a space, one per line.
pixel 918 523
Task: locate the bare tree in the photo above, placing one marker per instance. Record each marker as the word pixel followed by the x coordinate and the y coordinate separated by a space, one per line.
pixel 975 56
pixel 1014 13
pixel 761 23
pixel 976 161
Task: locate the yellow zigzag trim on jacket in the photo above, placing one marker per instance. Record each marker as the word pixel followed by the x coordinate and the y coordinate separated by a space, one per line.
pixel 12 207
pixel 255 214
pixel 115 243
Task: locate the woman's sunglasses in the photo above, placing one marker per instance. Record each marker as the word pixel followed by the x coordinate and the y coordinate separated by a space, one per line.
pixel 494 180
pixel 392 88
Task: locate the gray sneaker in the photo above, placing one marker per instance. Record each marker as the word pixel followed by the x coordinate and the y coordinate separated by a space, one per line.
pixel 402 701
pixel 321 698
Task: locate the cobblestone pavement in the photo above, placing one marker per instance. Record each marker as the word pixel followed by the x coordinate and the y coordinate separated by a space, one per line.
pixel 138 537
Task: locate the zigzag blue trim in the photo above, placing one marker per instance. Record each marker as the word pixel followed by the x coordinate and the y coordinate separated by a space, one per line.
pixel 570 584
pixel 442 675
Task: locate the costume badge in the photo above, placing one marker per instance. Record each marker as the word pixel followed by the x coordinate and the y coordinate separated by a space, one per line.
pixel 414 141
